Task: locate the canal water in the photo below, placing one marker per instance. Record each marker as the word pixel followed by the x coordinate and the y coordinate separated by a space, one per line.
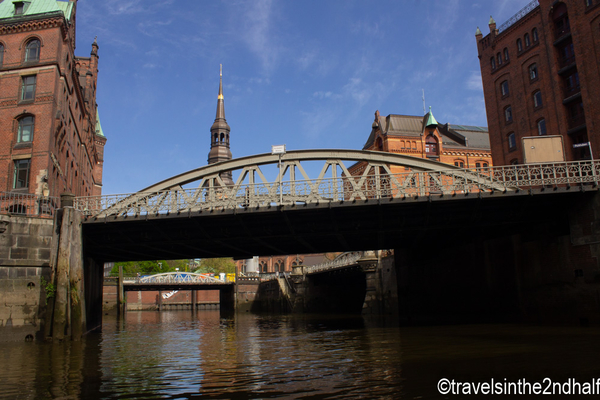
pixel 200 355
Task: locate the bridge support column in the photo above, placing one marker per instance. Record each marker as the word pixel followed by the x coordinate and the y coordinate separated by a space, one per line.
pixel 194 300
pixel 227 300
pixel 369 263
pixel 66 315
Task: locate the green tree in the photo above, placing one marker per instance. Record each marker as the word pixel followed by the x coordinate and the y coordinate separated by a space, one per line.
pixel 132 268
pixel 216 265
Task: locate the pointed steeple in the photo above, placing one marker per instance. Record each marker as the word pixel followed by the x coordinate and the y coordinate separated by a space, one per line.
pixel 429 119
pixel 219 134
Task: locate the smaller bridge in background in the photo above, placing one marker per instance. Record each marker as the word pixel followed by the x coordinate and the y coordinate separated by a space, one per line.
pixel 175 281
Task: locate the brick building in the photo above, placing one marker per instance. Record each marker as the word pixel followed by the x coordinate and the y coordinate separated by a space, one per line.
pixel 423 137
pixel 50 136
pixel 541 76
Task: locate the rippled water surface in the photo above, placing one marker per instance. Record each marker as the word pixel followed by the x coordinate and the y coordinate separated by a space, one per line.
pixel 185 355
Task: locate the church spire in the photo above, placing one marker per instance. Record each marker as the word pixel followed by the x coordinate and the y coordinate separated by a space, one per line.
pixel 219 134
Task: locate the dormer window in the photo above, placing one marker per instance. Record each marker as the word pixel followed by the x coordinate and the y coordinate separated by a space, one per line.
pixel 19 7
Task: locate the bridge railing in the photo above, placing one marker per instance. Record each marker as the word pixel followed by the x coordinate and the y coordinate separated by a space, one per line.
pixel 347 188
pixel 26 204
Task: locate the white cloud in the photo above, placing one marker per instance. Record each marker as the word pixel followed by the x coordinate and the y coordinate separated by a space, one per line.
pixel 257 32
pixel 474 81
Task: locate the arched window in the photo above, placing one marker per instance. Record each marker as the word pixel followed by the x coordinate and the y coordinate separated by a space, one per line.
pixel 216 138
pixel 493 62
pixel 222 137
pixel 519 45
pixel 508 117
pixel 280 266
pixel 541 126
pixel 504 88
pixel 533 71
pixel 263 267
pixel 1 54
pixel 506 54
pixel 25 133
pixel 379 144
pixel 431 146
pixel 499 58
pixel 534 34
pixel 512 141
pixel 32 51
pixel 561 20
pixel 527 41
pixel 537 99
pixel 459 163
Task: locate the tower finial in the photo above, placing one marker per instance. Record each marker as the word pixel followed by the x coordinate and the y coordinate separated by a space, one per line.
pixel 220 82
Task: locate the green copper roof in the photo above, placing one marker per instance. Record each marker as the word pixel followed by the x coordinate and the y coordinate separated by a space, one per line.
pixel 33 7
pixel 98 126
pixel 430 120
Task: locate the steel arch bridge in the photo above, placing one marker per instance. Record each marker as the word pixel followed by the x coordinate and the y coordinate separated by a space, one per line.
pixel 177 277
pixel 345 175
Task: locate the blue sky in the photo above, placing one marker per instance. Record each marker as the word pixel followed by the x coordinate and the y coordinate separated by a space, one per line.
pixel 305 73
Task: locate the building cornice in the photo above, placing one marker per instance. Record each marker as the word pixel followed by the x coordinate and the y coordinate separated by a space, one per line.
pixel 35 23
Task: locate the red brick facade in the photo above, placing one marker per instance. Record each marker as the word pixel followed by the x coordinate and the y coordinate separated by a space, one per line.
pixel 50 138
pixel 541 76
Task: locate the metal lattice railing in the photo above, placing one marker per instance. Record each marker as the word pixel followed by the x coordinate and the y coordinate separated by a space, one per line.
pixel 175 278
pixel 26 204
pixel 343 261
pixel 342 189
pixel 523 12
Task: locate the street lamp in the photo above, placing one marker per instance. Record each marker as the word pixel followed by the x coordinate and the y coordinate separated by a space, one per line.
pixel 280 151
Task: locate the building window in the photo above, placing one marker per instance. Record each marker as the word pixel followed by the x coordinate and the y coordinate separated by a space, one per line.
pixel 561 20
pixel 567 55
pixel 32 51
pixel 537 99
pixel 514 161
pixel 589 3
pixel 499 58
pixel 26 125
pixel 19 7
pixel 263 267
pixel 526 39
pixel 459 163
pixel 431 146
pixel 505 54
pixel 28 88
pixel 21 178
pixel 541 126
pixel 280 266
pixel 533 72
pixel 534 34
pixel 572 84
pixel 519 45
pixel 508 117
pixel 493 63
pixel 512 141
pixel 504 88
pixel 1 54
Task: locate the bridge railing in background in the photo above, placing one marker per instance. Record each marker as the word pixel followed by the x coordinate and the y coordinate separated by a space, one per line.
pixel 505 179
pixel 26 204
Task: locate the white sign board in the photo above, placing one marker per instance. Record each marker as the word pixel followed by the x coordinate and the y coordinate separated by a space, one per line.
pixel 278 149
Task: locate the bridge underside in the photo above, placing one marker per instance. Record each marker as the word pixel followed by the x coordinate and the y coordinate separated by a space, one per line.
pixel 350 226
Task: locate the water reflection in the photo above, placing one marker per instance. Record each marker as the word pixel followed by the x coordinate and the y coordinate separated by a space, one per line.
pixel 185 355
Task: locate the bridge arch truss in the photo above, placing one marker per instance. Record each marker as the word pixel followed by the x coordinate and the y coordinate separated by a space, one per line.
pixel 341 176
